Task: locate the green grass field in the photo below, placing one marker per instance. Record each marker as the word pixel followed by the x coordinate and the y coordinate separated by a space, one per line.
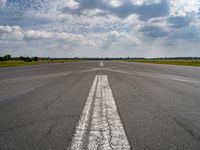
pixel 183 62
pixel 16 63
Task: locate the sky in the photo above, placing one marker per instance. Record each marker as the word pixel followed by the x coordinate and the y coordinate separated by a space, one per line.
pixel 100 28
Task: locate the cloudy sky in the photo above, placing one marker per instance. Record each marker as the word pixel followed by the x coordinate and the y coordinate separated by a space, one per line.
pixel 100 28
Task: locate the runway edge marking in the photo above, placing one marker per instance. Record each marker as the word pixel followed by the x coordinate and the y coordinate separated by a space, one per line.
pixel 102 128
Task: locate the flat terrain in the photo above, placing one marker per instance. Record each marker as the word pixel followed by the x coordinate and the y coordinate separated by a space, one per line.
pixel 72 105
pixel 15 63
pixel 181 62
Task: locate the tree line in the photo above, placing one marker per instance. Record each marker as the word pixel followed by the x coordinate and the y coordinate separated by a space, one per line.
pixel 26 59
pixel 29 59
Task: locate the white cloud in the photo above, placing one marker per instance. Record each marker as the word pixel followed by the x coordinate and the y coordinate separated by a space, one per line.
pixel 183 7
pixel 11 33
pixel 147 2
pixel 46 40
pixel 31 34
pixel 93 12
pixel 133 20
pixel 113 3
pixel 115 40
pixel 2 3
pixel 16 33
pixel 72 4
pixel 67 38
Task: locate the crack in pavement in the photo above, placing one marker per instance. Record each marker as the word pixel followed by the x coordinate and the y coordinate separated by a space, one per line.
pixel 102 128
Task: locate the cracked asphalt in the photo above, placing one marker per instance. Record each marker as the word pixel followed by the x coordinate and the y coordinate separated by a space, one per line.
pixel 159 105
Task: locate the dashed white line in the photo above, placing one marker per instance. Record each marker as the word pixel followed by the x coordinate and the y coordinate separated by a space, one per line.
pixel 101 64
pixel 100 126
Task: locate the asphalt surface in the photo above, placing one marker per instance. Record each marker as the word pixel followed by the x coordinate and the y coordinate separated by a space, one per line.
pixel 159 105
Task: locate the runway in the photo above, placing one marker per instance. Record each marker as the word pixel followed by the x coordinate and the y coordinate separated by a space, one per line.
pixel 100 105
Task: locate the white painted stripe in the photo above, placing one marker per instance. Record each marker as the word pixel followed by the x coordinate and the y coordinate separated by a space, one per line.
pixel 100 126
pixel 83 124
pixel 101 64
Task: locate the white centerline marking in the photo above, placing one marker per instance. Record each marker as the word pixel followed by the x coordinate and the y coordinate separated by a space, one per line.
pixel 101 64
pixel 100 126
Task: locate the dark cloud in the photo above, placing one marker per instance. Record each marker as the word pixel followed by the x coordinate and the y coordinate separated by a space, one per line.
pixel 178 22
pixel 145 11
pixel 16 12
pixel 14 17
pixel 27 4
pixel 190 33
pixel 154 31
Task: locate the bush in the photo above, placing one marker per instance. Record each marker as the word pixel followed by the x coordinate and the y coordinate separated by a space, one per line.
pixel 35 59
pixel 1 58
pixel 6 57
pixel 27 59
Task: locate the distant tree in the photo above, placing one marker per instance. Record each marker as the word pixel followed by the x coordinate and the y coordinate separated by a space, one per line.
pixel 21 58
pixel 35 58
pixel 27 59
pixel 7 57
pixel 1 58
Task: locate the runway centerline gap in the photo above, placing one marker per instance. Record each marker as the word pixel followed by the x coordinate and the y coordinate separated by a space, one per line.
pixel 100 126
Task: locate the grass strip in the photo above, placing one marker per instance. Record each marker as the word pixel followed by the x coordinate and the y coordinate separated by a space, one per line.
pixel 15 63
pixel 181 62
